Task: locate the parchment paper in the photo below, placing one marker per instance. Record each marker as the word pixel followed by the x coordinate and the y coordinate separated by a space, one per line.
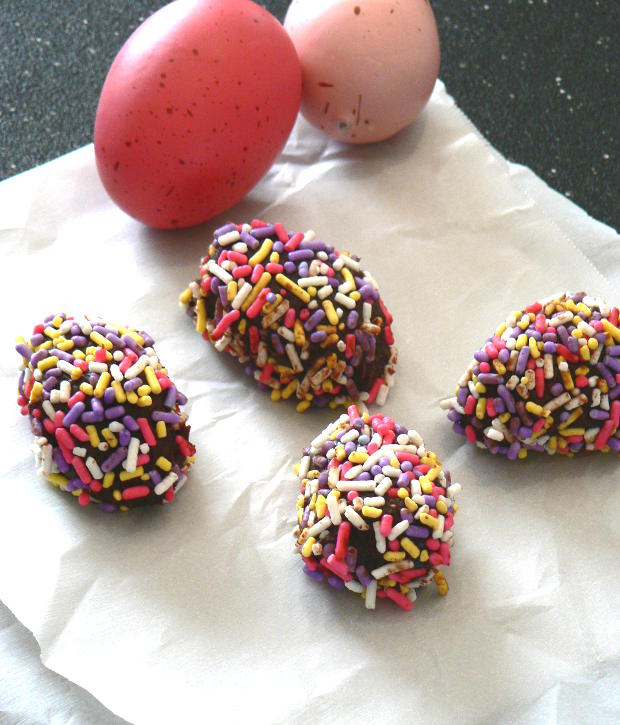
pixel 199 611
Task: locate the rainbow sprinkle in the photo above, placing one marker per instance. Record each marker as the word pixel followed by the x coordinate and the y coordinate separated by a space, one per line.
pixel 105 414
pixel 547 380
pixel 306 320
pixel 376 509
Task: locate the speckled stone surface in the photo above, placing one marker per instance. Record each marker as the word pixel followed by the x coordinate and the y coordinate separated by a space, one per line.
pixel 539 78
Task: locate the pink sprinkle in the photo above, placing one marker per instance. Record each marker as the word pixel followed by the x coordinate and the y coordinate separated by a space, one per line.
pixel 385 527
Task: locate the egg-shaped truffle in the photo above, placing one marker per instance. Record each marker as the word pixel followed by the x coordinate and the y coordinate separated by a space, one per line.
pixel 547 379
pixel 306 320
pixel 106 417
pixel 376 509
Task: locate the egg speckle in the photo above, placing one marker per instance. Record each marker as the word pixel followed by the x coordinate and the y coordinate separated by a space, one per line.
pixel 195 108
pixel 368 67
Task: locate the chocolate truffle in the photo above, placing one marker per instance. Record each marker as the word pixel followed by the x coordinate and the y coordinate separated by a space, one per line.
pixel 376 510
pixel 306 321
pixel 547 380
pixel 105 415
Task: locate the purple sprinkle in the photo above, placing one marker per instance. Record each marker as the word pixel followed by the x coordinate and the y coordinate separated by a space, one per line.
pixel 504 355
pixel 278 247
pixel 481 356
pixel 132 344
pixel 50 383
pixel 171 418
pixel 230 227
pixel 115 412
pixel 315 244
pixel 114 339
pixel 74 413
pixel 249 239
pixel 24 350
pixel 38 356
pixel 352 320
pixel 418 532
pixel 290 267
pixel 505 395
pixel 130 423
pixel 263 232
pixel 80 341
pixel 524 355
pixel 316 575
pixel 37 339
pixel 107 508
pixel 314 320
pixel 363 576
pixel 549 347
pixel 215 283
pixel 612 363
pixel 59 459
pixel 114 459
pixel 318 336
pixel 490 378
pixel 604 371
pixel 171 397
pixel 109 396
pixel 132 384
pixel 299 254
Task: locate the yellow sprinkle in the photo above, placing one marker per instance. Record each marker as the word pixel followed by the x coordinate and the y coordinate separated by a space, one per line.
pixel 593 343
pixel 201 315
pixel 480 388
pixel 117 495
pixel 499 366
pixel 321 506
pixel 358 457
pixel 163 463
pixel 433 473
pixel 571 419
pixel 36 392
pixel 242 325
pixel 133 334
pixel 300 335
pixel 185 296
pixel 47 363
pixel 306 549
pixel 289 389
pixel 441 507
pixel 573 431
pixel 584 352
pixel 110 438
pixel 371 511
pixel 481 407
pixel 410 547
pixel 348 276
pixel 293 288
pixel 108 479
pixel 274 257
pixel 577 333
pixel 340 454
pixel 51 332
pixel 263 281
pixel 424 556
pixel 57 321
pixel 504 417
pixel 132 397
pixel 521 341
pixel 611 329
pixel 101 340
pixel 126 476
pixel 231 291
pixel 102 384
pixel 499 330
pixel 330 312
pixel 312 502
pixel 57 479
pixel 534 351
pixel 553 443
pixel 442 584
pixel 394 555
pixel 93 436
pixel 143 390
pixel 522 453
pixel 355 296
pixel 536 409
pixel 261 253
pixel 567 381
pixel 429 520
pixel 152 379
pixel 303 406
pixel 86 388
pixel 385 583
pixel 411 505
pixel 426 485
pixel 311 291
pixel 145 401
pixel 119 393
pixel 403 493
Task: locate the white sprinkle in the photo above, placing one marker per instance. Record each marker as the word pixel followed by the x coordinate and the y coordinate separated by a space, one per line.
pixel 379 538
pixel 391 471
pixel 79 451
pixel 320 526
pixel 353 472
pixel 165 483
pixel 354 586
pixel 225 239
pixel 453 490
pixel 304 467
pixel 357 521
pixel 215 269
pixel 132 455
pixel 286 334
pixel 317 281
pixel 46 450
pixel 355 485
pixel 65 366
pixel 97 367
pixel 333 506
pixel 382 394
pixel 325 291
pixel 345 301
pixel 293 357
pixel 399 529
pixel 94 469
pixel 371 595
pixel 383 486
pixel 240 247
pixel 137 367
pixel 392 568
pixel 116 373
pixel 48 409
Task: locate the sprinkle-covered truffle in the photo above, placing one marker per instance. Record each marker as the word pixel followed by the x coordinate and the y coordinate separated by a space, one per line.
pixel 376 510
pixel 548 380
pixel 306 321
pixel 105 414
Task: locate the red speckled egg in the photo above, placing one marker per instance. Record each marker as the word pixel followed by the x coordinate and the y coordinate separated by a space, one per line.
pixel 195 108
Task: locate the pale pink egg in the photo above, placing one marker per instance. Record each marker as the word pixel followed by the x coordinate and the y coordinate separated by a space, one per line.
pixel 369 66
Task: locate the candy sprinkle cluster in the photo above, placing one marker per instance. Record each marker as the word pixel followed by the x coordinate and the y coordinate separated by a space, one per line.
pixel 306 320
pixel 104 413
pixel 376 510
pixel 547 380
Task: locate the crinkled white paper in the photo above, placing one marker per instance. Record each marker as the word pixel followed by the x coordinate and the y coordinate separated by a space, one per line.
pixel 199 611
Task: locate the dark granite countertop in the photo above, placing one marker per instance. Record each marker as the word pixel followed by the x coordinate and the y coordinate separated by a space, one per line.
pixel 539 78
